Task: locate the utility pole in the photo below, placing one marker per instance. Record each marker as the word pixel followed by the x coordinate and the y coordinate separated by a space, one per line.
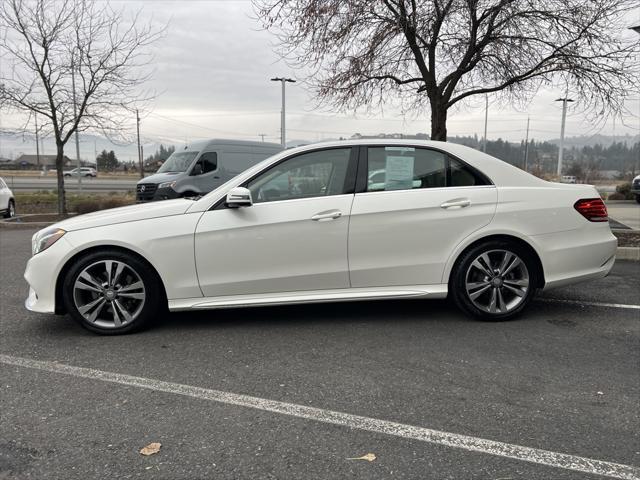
pixel 564 101
pixel 37 142
pixel 75 115
pixel 262 135
pixel 95 153
pixel 283 81
pixel 486 118
pixel 139 147
pixel 526 147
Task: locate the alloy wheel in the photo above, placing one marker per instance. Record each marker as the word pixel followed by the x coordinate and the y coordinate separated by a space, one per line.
pixel 109 294
pixel 497 281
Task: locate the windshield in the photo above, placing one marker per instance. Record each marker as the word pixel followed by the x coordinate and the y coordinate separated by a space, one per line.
pixel 178 162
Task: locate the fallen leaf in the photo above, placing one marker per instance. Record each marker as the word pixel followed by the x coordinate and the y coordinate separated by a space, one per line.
pixel 151 449
pixel 369 457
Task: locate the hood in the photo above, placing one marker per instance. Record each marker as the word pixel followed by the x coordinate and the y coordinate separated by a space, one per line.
pixel 131 213
pixel 158 178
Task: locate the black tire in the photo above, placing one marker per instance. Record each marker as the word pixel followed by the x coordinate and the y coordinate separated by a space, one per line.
pixel 463 268
pixel 11 209
pixel 154 298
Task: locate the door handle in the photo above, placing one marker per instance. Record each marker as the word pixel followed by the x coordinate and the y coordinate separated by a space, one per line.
pixel 456 203
pixel 330 215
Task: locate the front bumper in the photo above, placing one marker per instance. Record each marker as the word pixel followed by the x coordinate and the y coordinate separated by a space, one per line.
pixel 42 273
pixel 158 194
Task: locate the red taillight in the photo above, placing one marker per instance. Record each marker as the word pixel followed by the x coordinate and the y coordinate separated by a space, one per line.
pixel 593 209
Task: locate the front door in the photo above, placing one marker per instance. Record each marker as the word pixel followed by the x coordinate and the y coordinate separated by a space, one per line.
pixel 418 204
pixel 294 236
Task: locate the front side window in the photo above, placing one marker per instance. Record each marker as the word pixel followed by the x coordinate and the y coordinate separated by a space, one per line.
pixel 314 174
pixel 208 161
pixel 406 168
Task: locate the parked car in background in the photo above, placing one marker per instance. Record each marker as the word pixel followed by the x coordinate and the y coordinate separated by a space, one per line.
pixel 82 172
pixel 201 167
pixel 304 226
pixel 635 188
pixel 7 200
pixel 568 179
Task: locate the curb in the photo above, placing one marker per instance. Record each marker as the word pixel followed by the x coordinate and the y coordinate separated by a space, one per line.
pixel 628 253
pixel 24 225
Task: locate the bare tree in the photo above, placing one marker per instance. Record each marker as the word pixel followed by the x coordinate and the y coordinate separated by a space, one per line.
pixel 50 44
pixel 442 52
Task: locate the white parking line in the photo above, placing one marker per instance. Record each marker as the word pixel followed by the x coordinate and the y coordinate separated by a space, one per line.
pixel 465 442
pixel 591 304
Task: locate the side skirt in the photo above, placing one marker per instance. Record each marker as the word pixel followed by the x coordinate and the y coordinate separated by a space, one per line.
pixel 313 296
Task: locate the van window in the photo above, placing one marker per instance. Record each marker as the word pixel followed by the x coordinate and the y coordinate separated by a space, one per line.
pixel 178 162
pixel 208 161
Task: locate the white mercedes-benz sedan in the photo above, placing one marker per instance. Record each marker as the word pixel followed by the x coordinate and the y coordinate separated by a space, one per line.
pixel 350 220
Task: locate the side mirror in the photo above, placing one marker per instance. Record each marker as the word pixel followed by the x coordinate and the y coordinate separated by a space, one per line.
pixel 197 169
pixel 239 197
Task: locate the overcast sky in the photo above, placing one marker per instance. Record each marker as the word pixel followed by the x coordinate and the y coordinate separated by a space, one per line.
pixel 212 72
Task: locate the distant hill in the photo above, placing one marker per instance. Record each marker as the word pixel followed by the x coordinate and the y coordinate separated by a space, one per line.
pixel 591 140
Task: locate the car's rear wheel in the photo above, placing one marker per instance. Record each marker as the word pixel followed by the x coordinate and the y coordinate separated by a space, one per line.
pixel 494 280
pixel 11 210
pixel 112 292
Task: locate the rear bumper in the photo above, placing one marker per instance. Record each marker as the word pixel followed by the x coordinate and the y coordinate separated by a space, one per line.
pixel 577 255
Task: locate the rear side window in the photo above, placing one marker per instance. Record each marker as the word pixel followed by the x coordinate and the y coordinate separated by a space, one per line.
pixel 406 168
pixel 461 175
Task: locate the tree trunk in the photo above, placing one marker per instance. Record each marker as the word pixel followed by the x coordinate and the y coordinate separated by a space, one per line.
pixel 438 121
pixel 62 200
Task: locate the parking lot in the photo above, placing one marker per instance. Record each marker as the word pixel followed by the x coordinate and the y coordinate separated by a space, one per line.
pixel 281 392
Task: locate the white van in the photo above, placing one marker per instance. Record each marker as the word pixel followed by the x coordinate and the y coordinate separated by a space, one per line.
pixel 201 167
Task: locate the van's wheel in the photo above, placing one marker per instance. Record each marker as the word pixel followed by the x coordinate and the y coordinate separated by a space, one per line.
pixel 112 292
pixel 11 210
pixel 494 280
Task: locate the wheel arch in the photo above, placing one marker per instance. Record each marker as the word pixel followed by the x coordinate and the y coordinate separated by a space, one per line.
pixel 59 303
pixel 496 236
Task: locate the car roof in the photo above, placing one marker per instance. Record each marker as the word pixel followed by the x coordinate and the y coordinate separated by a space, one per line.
pixel 202 144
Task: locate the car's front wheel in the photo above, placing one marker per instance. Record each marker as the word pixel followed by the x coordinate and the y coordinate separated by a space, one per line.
pixel 11 210
pixel 494 280
pixel 112 292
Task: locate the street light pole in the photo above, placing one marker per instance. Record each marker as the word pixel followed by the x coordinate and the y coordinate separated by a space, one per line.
pixel 486 118
pixel 564 101
pixel 283 81
pixel 75 115
pixel 526 147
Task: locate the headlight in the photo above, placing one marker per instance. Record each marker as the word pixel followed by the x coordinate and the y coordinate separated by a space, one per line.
pixel 45 238
pixel 167 184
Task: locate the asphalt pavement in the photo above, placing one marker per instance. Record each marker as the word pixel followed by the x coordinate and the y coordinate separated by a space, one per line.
pixel 563 378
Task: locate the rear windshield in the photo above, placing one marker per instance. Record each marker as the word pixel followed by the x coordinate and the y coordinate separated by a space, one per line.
pixel 178 162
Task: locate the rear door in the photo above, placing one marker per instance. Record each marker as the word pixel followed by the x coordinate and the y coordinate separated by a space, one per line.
pixel 413 207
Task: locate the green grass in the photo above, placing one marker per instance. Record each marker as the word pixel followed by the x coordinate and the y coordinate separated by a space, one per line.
pixel 47 201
